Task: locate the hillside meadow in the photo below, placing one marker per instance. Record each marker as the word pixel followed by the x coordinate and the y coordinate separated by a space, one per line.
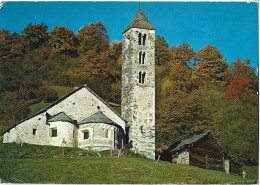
pixel 48 164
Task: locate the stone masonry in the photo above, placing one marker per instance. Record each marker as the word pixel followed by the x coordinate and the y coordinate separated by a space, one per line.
pixel 138 84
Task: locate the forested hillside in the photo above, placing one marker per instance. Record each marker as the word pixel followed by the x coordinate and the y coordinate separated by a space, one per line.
pixel 195 92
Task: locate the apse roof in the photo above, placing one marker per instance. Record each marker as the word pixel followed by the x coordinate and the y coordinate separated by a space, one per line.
pixel 61 117
pixel 98 117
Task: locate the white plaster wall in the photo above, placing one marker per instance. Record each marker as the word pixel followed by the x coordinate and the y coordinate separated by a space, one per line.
pixel 24 131
pixel 181 158
pixel 83 104
pixel 97 139
pixel 64 131
pixel 227 165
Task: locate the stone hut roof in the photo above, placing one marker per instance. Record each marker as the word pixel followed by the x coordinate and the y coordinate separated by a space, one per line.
pixel 139 21
pixel 61 117
pixel 98 117
pixel 190 142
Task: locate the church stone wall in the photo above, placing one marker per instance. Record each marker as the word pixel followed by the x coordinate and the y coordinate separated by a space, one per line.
pixel 97 136
pixel 138 99
pixel 182 158
pixel 23 132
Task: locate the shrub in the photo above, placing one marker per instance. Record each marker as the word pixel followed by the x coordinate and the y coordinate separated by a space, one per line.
pixel 46 94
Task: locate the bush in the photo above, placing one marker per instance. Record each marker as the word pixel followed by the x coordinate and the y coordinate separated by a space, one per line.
pixel 46 94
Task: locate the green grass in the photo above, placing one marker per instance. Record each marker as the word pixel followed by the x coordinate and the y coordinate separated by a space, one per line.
pixel 62 90
pixel 37 107
pixel 39 166
pixel 116 107
pixel 251 172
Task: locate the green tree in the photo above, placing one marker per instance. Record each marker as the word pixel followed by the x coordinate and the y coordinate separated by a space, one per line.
pixel 12 108
pixel 161 50
pixel 181 116
pixel 16 77
pixel 35 35
pixel 63 40
pixel 93 37
pixel 11 45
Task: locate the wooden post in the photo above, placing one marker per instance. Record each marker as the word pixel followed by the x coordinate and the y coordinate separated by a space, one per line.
pixel 206 160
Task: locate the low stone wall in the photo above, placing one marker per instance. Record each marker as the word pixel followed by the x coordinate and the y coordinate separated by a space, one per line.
pixel 181 158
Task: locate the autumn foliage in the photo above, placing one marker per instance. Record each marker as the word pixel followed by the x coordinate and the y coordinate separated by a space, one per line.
pixel 195 91
pixel 237 88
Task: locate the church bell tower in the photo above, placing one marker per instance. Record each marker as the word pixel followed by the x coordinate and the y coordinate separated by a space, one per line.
pixel 138 84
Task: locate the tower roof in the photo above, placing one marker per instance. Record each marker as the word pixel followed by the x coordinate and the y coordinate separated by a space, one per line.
pixel 139 21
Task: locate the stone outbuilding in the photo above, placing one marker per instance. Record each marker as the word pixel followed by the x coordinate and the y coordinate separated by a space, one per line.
pixel 80 119
pixel 203 151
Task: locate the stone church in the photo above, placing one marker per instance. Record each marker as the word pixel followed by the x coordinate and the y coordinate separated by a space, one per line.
pixel 82 119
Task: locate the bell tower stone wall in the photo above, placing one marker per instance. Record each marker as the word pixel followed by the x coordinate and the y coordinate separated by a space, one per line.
pixel 138 89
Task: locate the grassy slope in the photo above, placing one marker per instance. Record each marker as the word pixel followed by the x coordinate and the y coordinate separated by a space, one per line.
pixel 39 166
pixel 62 90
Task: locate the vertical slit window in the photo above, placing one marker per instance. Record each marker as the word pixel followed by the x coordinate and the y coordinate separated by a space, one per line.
pixel 143 56
pixel 143 77
pixel 140 57
pixel 140 39
pixel 106 133
pixel 34 131
pixel 140 77
pixel 144 37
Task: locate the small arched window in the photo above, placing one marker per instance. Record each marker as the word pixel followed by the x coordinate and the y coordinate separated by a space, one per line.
pixel 140 57
pixel 140 39
pixel 144 37
pixel 106 133
pixel 140 77
pixel 143 77
pixel 143 56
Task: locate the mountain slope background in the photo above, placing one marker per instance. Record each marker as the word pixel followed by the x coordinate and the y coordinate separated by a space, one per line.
pixel 195 91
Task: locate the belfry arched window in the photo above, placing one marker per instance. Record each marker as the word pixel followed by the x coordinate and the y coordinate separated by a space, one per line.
pixel 143 77
pixel 144 37
pixel 140 39
pixel 140 57
pixel 143 56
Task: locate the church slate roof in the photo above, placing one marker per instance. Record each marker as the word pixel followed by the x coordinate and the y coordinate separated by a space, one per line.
pixel 139 21
pixel 61 117
pixel 97 117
